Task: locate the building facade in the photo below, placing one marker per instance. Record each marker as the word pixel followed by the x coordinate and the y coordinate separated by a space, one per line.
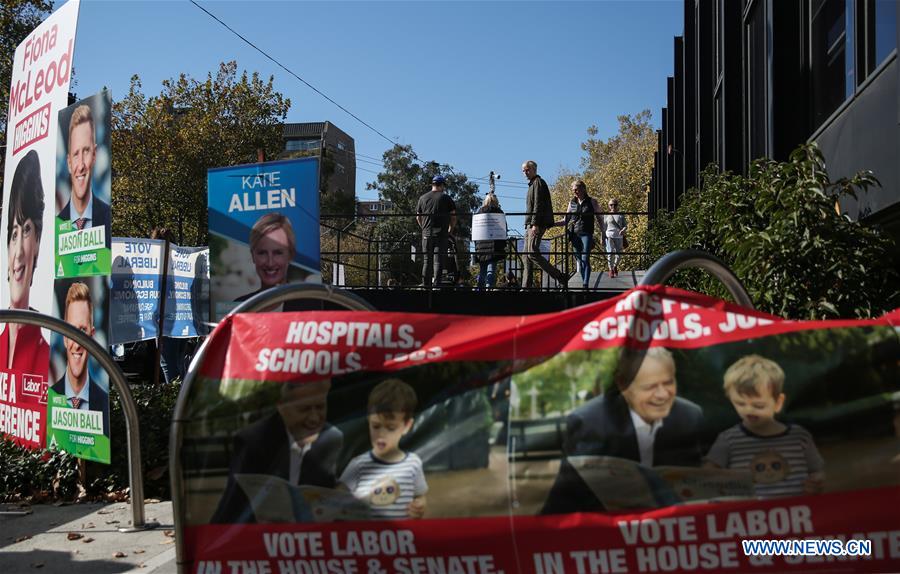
pixel 757 78
pixel 368 210
pixel 336 149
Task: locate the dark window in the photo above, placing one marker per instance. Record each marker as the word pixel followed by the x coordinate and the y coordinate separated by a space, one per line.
pixel 756 81
pixel 719 36
pixel 301 145
pixel 720 131
pixel 833 75
pixel 885 30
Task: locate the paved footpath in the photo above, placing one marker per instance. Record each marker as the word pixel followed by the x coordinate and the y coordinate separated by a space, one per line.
pixel 84 539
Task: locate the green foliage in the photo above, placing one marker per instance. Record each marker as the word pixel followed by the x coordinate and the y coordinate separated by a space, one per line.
pixel 45 474
pixel 778 230
pixel 402 180
pixel 35 474
pixel 164 144
pixel 17 19
pixel 584 373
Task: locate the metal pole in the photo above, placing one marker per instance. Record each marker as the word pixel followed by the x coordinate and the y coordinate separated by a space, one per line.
pixel 117 379
pixel 668 264
pixel 257 303
pixel 337 271
pixel 163 291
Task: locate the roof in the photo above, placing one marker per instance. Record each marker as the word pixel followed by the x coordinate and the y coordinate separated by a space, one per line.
pixel 304 130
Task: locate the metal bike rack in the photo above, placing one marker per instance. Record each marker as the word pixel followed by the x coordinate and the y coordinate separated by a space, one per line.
pixel 259 302
pixel 116 378
pixel 667 265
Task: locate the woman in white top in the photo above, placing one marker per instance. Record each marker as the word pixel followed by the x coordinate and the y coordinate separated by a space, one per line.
pixel 615 226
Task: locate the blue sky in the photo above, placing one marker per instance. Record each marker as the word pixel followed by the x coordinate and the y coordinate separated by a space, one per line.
pixel 478 85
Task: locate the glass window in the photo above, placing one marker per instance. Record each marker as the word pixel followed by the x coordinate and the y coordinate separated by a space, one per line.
pixel 301 145
pixel 756 81
pixel 718 37
pixel 885 29
pixel 833 74
pixel 719 131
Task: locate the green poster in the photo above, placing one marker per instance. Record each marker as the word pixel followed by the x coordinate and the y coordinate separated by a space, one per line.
pixel 83 189
pixel 81 252
pixel 82 433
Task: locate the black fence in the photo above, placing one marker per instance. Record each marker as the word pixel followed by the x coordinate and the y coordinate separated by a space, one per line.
pixel 383 250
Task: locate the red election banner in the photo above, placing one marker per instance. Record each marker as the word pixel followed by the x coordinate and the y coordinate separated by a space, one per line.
pixel 657 431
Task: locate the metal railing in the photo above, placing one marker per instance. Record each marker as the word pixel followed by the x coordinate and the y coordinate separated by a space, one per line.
pixel 117 379
pixel 371 261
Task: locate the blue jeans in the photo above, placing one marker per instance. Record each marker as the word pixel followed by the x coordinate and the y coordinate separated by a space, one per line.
pixel 486 274
pixel 171 359
pixel 583 248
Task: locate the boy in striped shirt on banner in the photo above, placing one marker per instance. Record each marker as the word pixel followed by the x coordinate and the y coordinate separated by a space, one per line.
pixel 390 480
pixel 782 458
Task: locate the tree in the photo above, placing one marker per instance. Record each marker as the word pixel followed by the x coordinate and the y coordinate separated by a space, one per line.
pixel 618 167
pixel 17 19
pixel 403 179
pixel 163 145
pixel 778 230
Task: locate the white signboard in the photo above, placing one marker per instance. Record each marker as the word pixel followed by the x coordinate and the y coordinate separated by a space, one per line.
pixel 489 227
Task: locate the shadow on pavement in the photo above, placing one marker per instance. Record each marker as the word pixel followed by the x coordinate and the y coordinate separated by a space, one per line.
pixel 54 561
pixel 42 518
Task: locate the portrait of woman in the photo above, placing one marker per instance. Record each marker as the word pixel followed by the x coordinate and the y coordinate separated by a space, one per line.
pixel 272 248
pixel 22 347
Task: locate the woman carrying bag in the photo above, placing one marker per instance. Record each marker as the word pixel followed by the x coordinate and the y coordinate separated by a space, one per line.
pixel 489 252
pixel 582 212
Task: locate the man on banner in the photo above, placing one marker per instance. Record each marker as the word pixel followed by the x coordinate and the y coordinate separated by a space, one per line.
pixel 80 391
pixel 294 444
pixel 84 209
pixel 640 419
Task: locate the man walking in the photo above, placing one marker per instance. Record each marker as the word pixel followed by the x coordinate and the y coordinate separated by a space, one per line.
pixel 436 214
pixel 540 218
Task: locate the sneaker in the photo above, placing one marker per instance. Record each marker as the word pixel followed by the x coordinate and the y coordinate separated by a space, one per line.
pixel 585 286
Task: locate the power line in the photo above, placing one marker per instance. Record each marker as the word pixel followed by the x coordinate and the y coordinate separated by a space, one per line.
pixel 286 69
pixel 414 157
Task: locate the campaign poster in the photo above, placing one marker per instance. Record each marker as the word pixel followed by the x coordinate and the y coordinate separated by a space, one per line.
pixel 187 294
pixel 658 431
pixel 136 286
pixel 263 228
pixel 78 399
pixel 83 183
pixel 41 70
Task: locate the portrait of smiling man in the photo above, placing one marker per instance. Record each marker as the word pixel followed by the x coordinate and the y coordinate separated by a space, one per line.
pixel 640 418
pixel 84 209
pixel 76 385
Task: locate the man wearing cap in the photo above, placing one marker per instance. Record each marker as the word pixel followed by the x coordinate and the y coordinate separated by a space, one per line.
pixel 539 207
pixel 436 214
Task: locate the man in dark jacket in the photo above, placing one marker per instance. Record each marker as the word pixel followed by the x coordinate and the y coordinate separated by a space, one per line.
pixel 645 422
pixel 436 215
pixel 294 444
pixel 539 207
